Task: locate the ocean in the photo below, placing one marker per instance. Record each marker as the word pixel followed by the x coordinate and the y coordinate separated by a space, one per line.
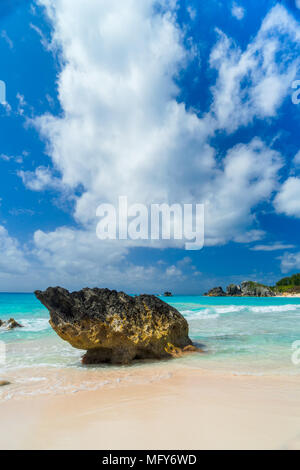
pixel 244 336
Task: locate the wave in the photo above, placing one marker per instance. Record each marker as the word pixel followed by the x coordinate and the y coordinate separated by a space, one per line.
pixel 30 325
pixel 35 324
pixel 216 311
pixel 205 314
pixel 276 308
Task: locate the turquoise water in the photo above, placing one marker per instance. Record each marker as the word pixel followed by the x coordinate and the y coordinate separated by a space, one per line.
pixel 244 335
pixel 241 335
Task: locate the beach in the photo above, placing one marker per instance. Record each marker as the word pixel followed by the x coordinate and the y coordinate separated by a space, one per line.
pixel 182 410
pixel 242 393
pixel 291 296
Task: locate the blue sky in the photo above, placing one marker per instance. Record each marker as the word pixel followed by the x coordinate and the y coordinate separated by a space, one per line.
pixel 163 102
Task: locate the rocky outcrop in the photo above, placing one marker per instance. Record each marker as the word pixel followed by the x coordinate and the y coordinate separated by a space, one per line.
pixel 168 294
pixel 115 327
pixel 234 290
pixel 246 289
pixel 10 324
pixel 254 289
pixel 216 292
pixel 4 383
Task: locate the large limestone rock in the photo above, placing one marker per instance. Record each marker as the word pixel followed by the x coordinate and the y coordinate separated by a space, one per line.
pixel 114 327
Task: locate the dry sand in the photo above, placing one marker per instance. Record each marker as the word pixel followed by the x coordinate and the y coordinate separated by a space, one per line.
pixel 187 409
pixel 290 296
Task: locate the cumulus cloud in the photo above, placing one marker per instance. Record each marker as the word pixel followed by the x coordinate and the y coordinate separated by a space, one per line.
pixel 123 131
pixel 287 200
pixel 75 258
pixel 12 259
pixel 296 160
pixel 173 271
pixel 250 175
pixel 237 11
pixel 40 179
pixel 253 83
pixel 290 262
pixel 130 136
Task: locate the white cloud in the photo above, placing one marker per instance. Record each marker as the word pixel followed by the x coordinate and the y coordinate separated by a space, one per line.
pixel 43 38
pixel 6 158
pixel 184 262
pixel 21 104
pixel 287 200
pixel 76 258
pixel 173 271
pixel 251 236
pixel 296 160
pixel 40 179
pixel 12 259
pixel 129 136
pixel 272 247
pixel 237 11
pixel 7 39
pixel 250 175
pixel 253 83
pixel 17 158
pixel 122 132
pixel 290 262
pixel 75 252
pixel 192 12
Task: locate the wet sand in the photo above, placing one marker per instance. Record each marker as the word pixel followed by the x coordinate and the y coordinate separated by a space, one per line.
pixel 185 409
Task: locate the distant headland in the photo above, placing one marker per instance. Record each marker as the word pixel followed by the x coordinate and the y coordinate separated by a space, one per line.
pixel 288 286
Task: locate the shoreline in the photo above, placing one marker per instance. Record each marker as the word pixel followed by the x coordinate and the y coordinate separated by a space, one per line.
pixel 288 295
pixel 241 394
pixel 186 409
pixel 254 297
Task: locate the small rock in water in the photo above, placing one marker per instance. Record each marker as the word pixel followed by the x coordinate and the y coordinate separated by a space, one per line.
pixel 3 383
pixel 10 324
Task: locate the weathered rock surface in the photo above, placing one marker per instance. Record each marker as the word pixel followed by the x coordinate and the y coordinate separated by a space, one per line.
pixel 246 289
pixel 10 324
pixel 216 292
pixel 114 327
pixel 253 289
pixel 234 290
